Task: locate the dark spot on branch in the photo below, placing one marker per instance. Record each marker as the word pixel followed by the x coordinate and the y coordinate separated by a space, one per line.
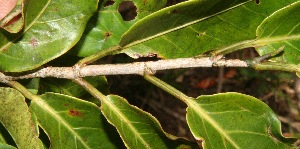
pixel 128 10
pixel 108 3
pixel 73 112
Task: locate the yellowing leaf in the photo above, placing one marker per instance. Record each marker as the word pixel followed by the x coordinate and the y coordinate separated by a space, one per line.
pixel 16 118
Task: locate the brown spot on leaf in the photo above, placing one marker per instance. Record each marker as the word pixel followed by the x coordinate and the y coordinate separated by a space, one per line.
pixel 74 112
pixel 257 1
pixel 66 104
pixel 107 34
pixel 33 42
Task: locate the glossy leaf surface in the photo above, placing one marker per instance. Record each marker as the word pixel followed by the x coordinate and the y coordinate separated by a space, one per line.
pixel 233 120
pixel 51 28
pixel 106 27
pixel 73 123
pixel 137 128
pixel 17 119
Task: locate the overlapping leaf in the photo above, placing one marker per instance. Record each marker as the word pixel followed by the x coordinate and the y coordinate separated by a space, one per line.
pixel 51 28
pixel 137 128
pixel 176 17
pixel 281 29
pixel 233 120
pixel 106 27
pixel 16 118
pixel 181 31
pixel 73 123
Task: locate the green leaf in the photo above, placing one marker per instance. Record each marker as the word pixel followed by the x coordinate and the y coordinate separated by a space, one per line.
pixel 106 27
pixel 177 17
pixel 183 31
pixel 17 119
pixel 233 120
pixel 138 128
pixel 6 146
pixel 73 123
pixel 13 22
pixel 158 25
pixel 51 28
pixel 282 28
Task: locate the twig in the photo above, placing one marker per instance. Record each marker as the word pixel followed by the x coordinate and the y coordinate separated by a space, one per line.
pixel 267 56
pixel 142 68
pixel 123 69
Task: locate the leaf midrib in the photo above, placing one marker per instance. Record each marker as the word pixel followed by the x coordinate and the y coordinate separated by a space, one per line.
pixel 126 121
pixel 201 113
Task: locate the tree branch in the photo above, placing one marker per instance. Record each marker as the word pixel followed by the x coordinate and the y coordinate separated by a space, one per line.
pixel 142 68
pixel 139 68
